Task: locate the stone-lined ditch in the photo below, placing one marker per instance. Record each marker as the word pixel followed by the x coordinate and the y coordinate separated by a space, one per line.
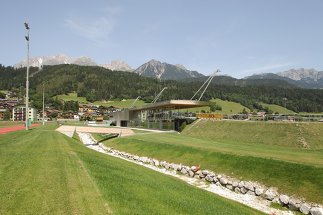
pixel 249 193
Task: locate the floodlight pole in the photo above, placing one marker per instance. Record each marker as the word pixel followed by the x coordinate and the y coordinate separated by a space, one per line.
pixel 43 103
pixel 27 77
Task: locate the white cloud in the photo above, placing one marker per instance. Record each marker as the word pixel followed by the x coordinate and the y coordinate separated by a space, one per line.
pixel 96 29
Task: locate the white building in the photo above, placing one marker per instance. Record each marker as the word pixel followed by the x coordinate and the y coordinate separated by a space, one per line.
pixel 19 113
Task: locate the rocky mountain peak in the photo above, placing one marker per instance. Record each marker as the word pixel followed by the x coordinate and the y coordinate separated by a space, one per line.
pixel 117 65
pixel 156 69
pixel 299 74
pixel 180 66
pixel 55 60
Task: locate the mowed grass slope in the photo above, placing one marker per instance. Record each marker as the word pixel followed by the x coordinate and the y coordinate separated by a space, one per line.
pixel 277 109
pixel 124 103
pixel 45 172
pixel 72 97
pixel 290 168
pixel 228 107
pixel 267 133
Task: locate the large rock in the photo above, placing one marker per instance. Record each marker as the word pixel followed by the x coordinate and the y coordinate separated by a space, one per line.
pixel 184 171
pixel 212 174
pixel 237 190
pixel 235 183
pixel 294 204
pixel 270 194
pixel 284 199
pixel 229 186
pixel 259 190
pixel 166 165
pixel 194 168
pixel 156 162
pixel 316 211
pixel 191 173
pixel 243 190
pixel 223 181
pixel 201 175
pixel 305 208
pixel 205 172
pixel 215 179
pixel 209 178
pixel 249 186
pixel 241 184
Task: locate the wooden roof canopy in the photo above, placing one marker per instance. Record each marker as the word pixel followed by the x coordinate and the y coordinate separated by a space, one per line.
pixel 172 104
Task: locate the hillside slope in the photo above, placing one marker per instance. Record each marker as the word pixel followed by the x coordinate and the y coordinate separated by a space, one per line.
pixel 97 83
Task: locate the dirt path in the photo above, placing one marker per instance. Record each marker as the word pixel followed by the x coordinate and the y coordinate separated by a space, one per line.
pixel 69 130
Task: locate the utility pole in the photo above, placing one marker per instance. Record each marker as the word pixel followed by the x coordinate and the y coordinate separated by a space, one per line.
pixel 27 77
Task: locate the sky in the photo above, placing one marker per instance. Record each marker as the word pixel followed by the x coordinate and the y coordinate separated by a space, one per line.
pixel 238 37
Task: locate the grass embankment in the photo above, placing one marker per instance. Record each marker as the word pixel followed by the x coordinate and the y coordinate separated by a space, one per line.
pixel 246 150
pixel 45 172
pixel 227 107
pixel 277 109
pixel 124 103
pixel 72 97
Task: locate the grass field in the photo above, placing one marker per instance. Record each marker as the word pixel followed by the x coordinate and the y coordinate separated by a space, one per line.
pixel 227 107
pixel 72 97
pixel 277 108
pixel 248 151
pixel 124 103
pixel 45 172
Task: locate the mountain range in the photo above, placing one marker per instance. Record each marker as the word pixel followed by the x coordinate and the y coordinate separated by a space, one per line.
pixel 153 68
pixel 306 78
pixel 156 69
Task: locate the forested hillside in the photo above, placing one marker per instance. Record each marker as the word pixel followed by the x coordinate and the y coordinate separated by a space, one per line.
pixel 97 83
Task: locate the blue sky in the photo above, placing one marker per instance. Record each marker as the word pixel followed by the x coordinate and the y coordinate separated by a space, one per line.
pixel 239 37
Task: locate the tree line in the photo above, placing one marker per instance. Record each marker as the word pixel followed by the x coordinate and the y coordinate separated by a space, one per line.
pixel 97 83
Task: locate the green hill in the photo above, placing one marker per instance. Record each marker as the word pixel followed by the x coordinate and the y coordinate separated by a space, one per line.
pixel 98 84
pixel 277 109
pixel 270 153
pixel 228 107
pixel 124 103
pixel 72 97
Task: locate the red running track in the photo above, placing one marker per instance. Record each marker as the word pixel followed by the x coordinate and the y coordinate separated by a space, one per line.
pixel 14 128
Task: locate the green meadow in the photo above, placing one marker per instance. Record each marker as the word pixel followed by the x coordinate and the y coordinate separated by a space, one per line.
pixel 45 172
pixel 124 103
pixel 277 109
pixel 269 153
pixel 228 107
pixel 72 97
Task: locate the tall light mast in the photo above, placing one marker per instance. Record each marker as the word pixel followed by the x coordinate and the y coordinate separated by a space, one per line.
pixel 27 77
